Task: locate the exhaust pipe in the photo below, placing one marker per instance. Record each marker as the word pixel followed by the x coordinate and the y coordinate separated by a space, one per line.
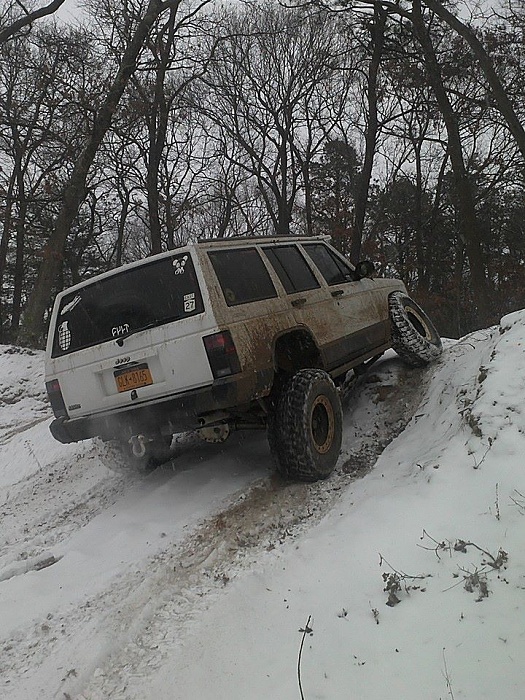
pixel 213 419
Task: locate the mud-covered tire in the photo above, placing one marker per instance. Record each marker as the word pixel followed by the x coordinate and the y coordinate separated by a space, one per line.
pixel 414 337
pixel 305 426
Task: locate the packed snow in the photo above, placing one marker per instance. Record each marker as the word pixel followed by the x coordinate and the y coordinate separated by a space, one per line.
pixel 403 575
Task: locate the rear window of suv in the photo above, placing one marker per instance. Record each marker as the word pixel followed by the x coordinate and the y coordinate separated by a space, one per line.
pixel 242 275
pixel 142 297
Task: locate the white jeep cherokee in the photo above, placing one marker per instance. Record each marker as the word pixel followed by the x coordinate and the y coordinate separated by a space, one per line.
pixel 221 335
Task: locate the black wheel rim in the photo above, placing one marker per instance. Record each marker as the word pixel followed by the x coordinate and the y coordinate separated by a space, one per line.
pixel 418 323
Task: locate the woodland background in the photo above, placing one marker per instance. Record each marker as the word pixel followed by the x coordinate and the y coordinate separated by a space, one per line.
pixel 394 127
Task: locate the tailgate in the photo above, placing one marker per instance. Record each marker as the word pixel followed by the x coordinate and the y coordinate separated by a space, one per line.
pixel 147 368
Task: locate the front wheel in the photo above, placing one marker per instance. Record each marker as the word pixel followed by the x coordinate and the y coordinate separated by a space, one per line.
pixel 305 426
pixel 414 337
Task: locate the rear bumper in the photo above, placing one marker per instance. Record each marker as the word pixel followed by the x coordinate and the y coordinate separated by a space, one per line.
pixel 171 415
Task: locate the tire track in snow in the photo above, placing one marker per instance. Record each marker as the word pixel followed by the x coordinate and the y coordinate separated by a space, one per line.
pixel 119 631
pixel 181 580
pixel 24 427
pixel 55 501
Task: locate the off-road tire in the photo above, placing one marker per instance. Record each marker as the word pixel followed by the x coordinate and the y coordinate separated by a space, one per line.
pixel 305 426
pixel 414 337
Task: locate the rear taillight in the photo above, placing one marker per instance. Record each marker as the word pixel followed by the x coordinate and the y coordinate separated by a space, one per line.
pixel 56 399
pixel 222 354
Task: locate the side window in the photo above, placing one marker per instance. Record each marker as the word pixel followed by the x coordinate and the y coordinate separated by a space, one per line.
pixel 291 268
pixel 242 275
pixel 333 269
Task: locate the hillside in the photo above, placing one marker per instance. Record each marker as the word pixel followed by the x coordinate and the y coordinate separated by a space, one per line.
pixel 210 578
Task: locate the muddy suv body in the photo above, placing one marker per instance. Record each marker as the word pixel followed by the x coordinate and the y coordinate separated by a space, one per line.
pixel 208 336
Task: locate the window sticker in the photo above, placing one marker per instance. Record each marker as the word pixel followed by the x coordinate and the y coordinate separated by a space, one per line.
pixel 64 336
pixel 179 264
pixel 189 303
pixel 120 330
pixel 71 305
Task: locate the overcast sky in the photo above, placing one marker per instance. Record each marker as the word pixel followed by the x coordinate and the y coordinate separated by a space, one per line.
pixel 69 11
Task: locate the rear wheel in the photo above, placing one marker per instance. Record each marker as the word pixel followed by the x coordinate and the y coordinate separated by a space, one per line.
pixel 305 426
pixel 414 337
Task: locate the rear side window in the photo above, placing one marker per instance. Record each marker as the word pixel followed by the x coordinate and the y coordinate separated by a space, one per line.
pixel 332 268
pixel 242 275
pixel 133 300
pixel 291 268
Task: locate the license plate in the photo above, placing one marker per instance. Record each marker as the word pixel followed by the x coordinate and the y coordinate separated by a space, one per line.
pixel 128 379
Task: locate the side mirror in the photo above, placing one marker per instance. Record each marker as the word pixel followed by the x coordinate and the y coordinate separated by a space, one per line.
pixel 365 268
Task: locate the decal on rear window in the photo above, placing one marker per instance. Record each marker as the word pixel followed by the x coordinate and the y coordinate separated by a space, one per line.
pixel 179 264
pixel 71 305
pixel 189 303
pixel 64 336
pixel 120 330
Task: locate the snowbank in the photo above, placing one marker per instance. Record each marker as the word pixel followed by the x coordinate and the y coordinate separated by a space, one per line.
pixel 411 584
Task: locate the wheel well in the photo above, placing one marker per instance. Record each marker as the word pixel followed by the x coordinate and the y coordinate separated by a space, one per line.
pixel 296 350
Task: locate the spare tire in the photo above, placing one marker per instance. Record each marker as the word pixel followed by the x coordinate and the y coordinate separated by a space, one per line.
pixel 414 336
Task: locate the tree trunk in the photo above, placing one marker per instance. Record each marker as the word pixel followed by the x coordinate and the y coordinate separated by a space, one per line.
pixel 308 199
pixel 152 188
pixel 32 329
pixel 469 227
pixel 18 279
pixel 124 209
pixel 422 271
pixel 4 246
pixel 158 126
pixel 363 186
pixel 283 207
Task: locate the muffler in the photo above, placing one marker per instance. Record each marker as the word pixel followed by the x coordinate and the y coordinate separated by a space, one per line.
pixel 215 418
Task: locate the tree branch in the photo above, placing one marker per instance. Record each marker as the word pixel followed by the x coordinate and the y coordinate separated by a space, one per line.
pixel 26 21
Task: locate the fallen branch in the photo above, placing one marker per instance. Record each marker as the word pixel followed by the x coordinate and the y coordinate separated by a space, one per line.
pixel 447 676
pixel 307 630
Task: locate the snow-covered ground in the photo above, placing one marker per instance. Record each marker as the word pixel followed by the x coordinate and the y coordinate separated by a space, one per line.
pixel 402 576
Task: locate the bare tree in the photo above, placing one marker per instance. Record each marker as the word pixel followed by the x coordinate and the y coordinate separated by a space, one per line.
pixel 468 223
pixel 33 320
pixel 499 94
pixel 230 203
pixel 40 120
pixel 275 89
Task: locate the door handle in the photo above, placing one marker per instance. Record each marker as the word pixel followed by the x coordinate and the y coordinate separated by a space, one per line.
pixel 298 302
pixel 338 293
